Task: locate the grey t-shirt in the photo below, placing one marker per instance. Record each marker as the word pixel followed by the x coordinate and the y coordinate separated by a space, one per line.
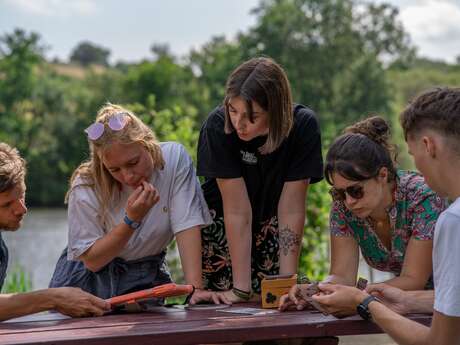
pixel 446 261
pixel 181 207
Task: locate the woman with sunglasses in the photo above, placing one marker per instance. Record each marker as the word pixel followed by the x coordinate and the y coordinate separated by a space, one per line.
pixel 387 213
pixel 126 204
pixel 258 153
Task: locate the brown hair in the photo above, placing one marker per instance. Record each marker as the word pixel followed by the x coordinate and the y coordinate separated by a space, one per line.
pixel 362 151
pixel 263 81
pixel 437 109
pixel 12 168
pixel 95 174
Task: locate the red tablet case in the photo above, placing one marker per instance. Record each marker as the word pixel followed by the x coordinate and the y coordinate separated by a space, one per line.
pixel 166 290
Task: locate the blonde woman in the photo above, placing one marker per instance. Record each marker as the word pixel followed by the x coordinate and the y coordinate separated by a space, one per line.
pixel 126 204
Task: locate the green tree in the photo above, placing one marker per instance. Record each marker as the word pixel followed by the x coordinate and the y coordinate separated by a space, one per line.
pixel 20 54
pixel 86 53
pixel 212 64
pixel 168 81
pixel 331 51
pixel 177 123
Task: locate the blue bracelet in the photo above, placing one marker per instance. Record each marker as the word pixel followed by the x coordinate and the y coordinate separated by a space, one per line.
pixel 131 223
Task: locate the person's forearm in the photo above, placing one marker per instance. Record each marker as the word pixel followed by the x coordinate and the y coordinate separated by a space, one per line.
pixel 239 238
pixel 404 331
pixel 406 283
pixel 339 279
pixel 189 245
pixel 291 221
pixel 420 301
pixel 107 248
pixel 15 305
pixel 290 227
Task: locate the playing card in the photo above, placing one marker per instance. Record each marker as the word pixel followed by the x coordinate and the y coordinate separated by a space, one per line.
pixel 306 295
pixel 361 284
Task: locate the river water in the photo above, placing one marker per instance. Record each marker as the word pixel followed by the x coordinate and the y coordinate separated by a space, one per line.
pixel 37 245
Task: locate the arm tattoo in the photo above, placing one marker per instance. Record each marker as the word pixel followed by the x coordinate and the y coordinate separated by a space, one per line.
pixel 288 240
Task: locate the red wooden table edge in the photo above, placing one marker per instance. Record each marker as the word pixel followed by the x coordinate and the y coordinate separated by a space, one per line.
pixel 198 331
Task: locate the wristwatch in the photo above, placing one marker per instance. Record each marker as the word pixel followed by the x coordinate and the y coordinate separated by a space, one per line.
pixel 363 307
pixel 131 223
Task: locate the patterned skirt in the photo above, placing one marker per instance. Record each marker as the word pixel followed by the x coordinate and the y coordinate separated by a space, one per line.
pixel 217 266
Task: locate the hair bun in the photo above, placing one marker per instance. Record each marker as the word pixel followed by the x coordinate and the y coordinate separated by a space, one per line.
pixel 375 128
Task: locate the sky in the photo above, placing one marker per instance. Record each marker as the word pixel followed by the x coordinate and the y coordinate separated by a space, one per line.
pixel 129 28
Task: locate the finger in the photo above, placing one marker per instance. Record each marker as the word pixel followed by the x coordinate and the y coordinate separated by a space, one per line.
pixel 284 299
pixel 224 299
pixel 156 197
pixel 141 200
pixel 212 297
pixel 192 300
pixel 324 308
pixel 339 315
pixel 150 189
pixel 375 288
pixel 328 288
pixel 293 293
pixel 90 309
pixel 96 312
pixel 301 306
pixel 94 306
pixel 376 294
pixel 146 185
pixel 134 195
pixel 323 300
pixel 100 303
pixel 285 303
pixel 287 306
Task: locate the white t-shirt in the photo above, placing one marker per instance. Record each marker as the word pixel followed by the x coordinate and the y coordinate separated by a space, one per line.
pixel 181 206
pixel 446 261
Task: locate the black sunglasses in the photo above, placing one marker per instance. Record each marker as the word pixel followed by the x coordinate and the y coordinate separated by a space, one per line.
pixel 356 192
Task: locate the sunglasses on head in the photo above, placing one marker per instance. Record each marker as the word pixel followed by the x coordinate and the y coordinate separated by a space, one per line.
pixel 116 122
pixel 356 192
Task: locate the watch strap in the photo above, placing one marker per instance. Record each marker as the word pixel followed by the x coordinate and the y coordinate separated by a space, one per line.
pixel 367 300
pixel 131 223
pixel 363 307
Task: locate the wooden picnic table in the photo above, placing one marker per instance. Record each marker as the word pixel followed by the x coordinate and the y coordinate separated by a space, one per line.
pixel 180 326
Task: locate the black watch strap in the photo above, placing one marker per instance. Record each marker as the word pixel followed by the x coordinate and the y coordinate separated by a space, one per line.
pixel 363 307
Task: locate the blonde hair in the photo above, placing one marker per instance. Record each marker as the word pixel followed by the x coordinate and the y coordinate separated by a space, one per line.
pixel 93 172
pixel 12 168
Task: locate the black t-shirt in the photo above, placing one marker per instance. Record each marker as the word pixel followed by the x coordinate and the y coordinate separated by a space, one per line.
pixel 223 155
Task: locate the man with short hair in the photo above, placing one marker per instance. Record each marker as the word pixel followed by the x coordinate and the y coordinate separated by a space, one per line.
pixel 69 301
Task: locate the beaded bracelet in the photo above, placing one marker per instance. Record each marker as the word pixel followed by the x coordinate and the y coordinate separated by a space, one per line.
pixel 244 295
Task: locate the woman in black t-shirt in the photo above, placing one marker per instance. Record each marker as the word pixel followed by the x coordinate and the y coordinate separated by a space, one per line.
pixel 258 153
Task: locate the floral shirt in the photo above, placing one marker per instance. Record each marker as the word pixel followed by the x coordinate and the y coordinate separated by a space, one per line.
pixel 412 215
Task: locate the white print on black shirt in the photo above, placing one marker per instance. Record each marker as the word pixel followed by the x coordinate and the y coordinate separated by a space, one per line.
pixel 248 157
